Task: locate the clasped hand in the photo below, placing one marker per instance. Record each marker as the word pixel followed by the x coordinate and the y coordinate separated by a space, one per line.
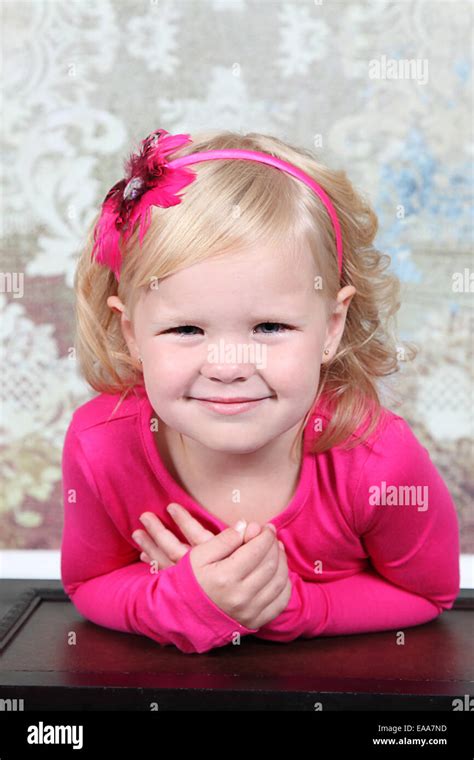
pixel 244 574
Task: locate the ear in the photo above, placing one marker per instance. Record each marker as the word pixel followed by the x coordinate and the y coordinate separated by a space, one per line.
pixel 336 322
pixel 126 324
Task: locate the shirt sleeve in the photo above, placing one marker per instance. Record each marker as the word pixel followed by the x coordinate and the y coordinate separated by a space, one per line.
pixel 108 586
pixel 411 535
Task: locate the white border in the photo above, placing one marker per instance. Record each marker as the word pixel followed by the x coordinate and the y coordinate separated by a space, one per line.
pixel 30 563
pixel 45 564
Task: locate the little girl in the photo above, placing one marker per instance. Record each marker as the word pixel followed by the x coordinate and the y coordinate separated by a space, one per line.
pixel 233 317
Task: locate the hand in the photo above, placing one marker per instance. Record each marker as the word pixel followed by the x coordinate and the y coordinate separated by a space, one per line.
pixel 256 605
pixel 162 548
pixel 249 581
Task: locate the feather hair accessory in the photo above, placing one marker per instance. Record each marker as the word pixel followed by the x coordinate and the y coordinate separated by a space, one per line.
pixel 148 182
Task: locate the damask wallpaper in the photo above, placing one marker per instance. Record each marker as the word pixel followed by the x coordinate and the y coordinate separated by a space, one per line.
pixel 382 89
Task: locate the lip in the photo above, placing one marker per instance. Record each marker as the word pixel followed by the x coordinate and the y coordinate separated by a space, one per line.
pixel 229 399
pixel 230 406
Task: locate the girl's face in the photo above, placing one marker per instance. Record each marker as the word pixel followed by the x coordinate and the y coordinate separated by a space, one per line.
pixel 256 328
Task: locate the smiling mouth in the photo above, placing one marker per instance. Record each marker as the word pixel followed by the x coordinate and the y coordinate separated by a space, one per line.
pixel 233 406
pixel 237 400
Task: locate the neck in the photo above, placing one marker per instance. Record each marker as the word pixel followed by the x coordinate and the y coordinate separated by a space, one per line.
pixel 276 458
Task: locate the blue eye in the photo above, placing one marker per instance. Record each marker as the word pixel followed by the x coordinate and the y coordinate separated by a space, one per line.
pixel 275 324
pixel 193 327
pixel 182 327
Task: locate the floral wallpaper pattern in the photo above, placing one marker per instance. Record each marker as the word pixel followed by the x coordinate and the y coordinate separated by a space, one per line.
pixel 85 80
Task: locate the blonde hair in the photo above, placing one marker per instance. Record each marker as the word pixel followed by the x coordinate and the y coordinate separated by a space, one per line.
pixel 235 204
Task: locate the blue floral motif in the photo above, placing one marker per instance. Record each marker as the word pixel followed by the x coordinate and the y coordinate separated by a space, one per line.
pixel 412 181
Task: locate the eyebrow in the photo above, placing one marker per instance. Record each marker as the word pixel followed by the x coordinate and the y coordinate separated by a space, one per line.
pixel 265 317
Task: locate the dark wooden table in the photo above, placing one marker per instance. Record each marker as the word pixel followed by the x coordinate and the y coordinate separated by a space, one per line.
pixel 109 670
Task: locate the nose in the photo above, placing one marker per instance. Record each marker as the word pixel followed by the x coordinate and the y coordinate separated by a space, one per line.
pixel 226 365
pixel 227 373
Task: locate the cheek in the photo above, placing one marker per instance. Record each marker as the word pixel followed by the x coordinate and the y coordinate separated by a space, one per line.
pixel 168 367
pixel 295 364
pixel 163 389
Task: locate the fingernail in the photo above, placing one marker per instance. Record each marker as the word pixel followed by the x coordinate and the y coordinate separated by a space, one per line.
pixel 136 537
pixel 171 509
pixel 240 526
pixel 282 545
pixel 272 527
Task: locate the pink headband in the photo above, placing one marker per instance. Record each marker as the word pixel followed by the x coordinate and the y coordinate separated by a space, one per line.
pixel 150 180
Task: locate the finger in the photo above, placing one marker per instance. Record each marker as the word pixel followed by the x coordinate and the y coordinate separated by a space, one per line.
pixel 266 570
pixel 265 583
pixel 219 548
pixel 248 556
pixel 189 526
pixel 253 530
pixel 148 546
pixel 275 607
pixel 154 562
pixel 163 538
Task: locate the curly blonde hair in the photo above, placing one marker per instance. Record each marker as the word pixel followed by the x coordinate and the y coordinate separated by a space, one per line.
pixel 234 204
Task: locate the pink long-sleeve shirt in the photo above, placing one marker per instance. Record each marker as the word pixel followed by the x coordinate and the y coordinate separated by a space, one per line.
pixel 371 534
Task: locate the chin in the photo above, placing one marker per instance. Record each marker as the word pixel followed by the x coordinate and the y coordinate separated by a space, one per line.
pixel 235 445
